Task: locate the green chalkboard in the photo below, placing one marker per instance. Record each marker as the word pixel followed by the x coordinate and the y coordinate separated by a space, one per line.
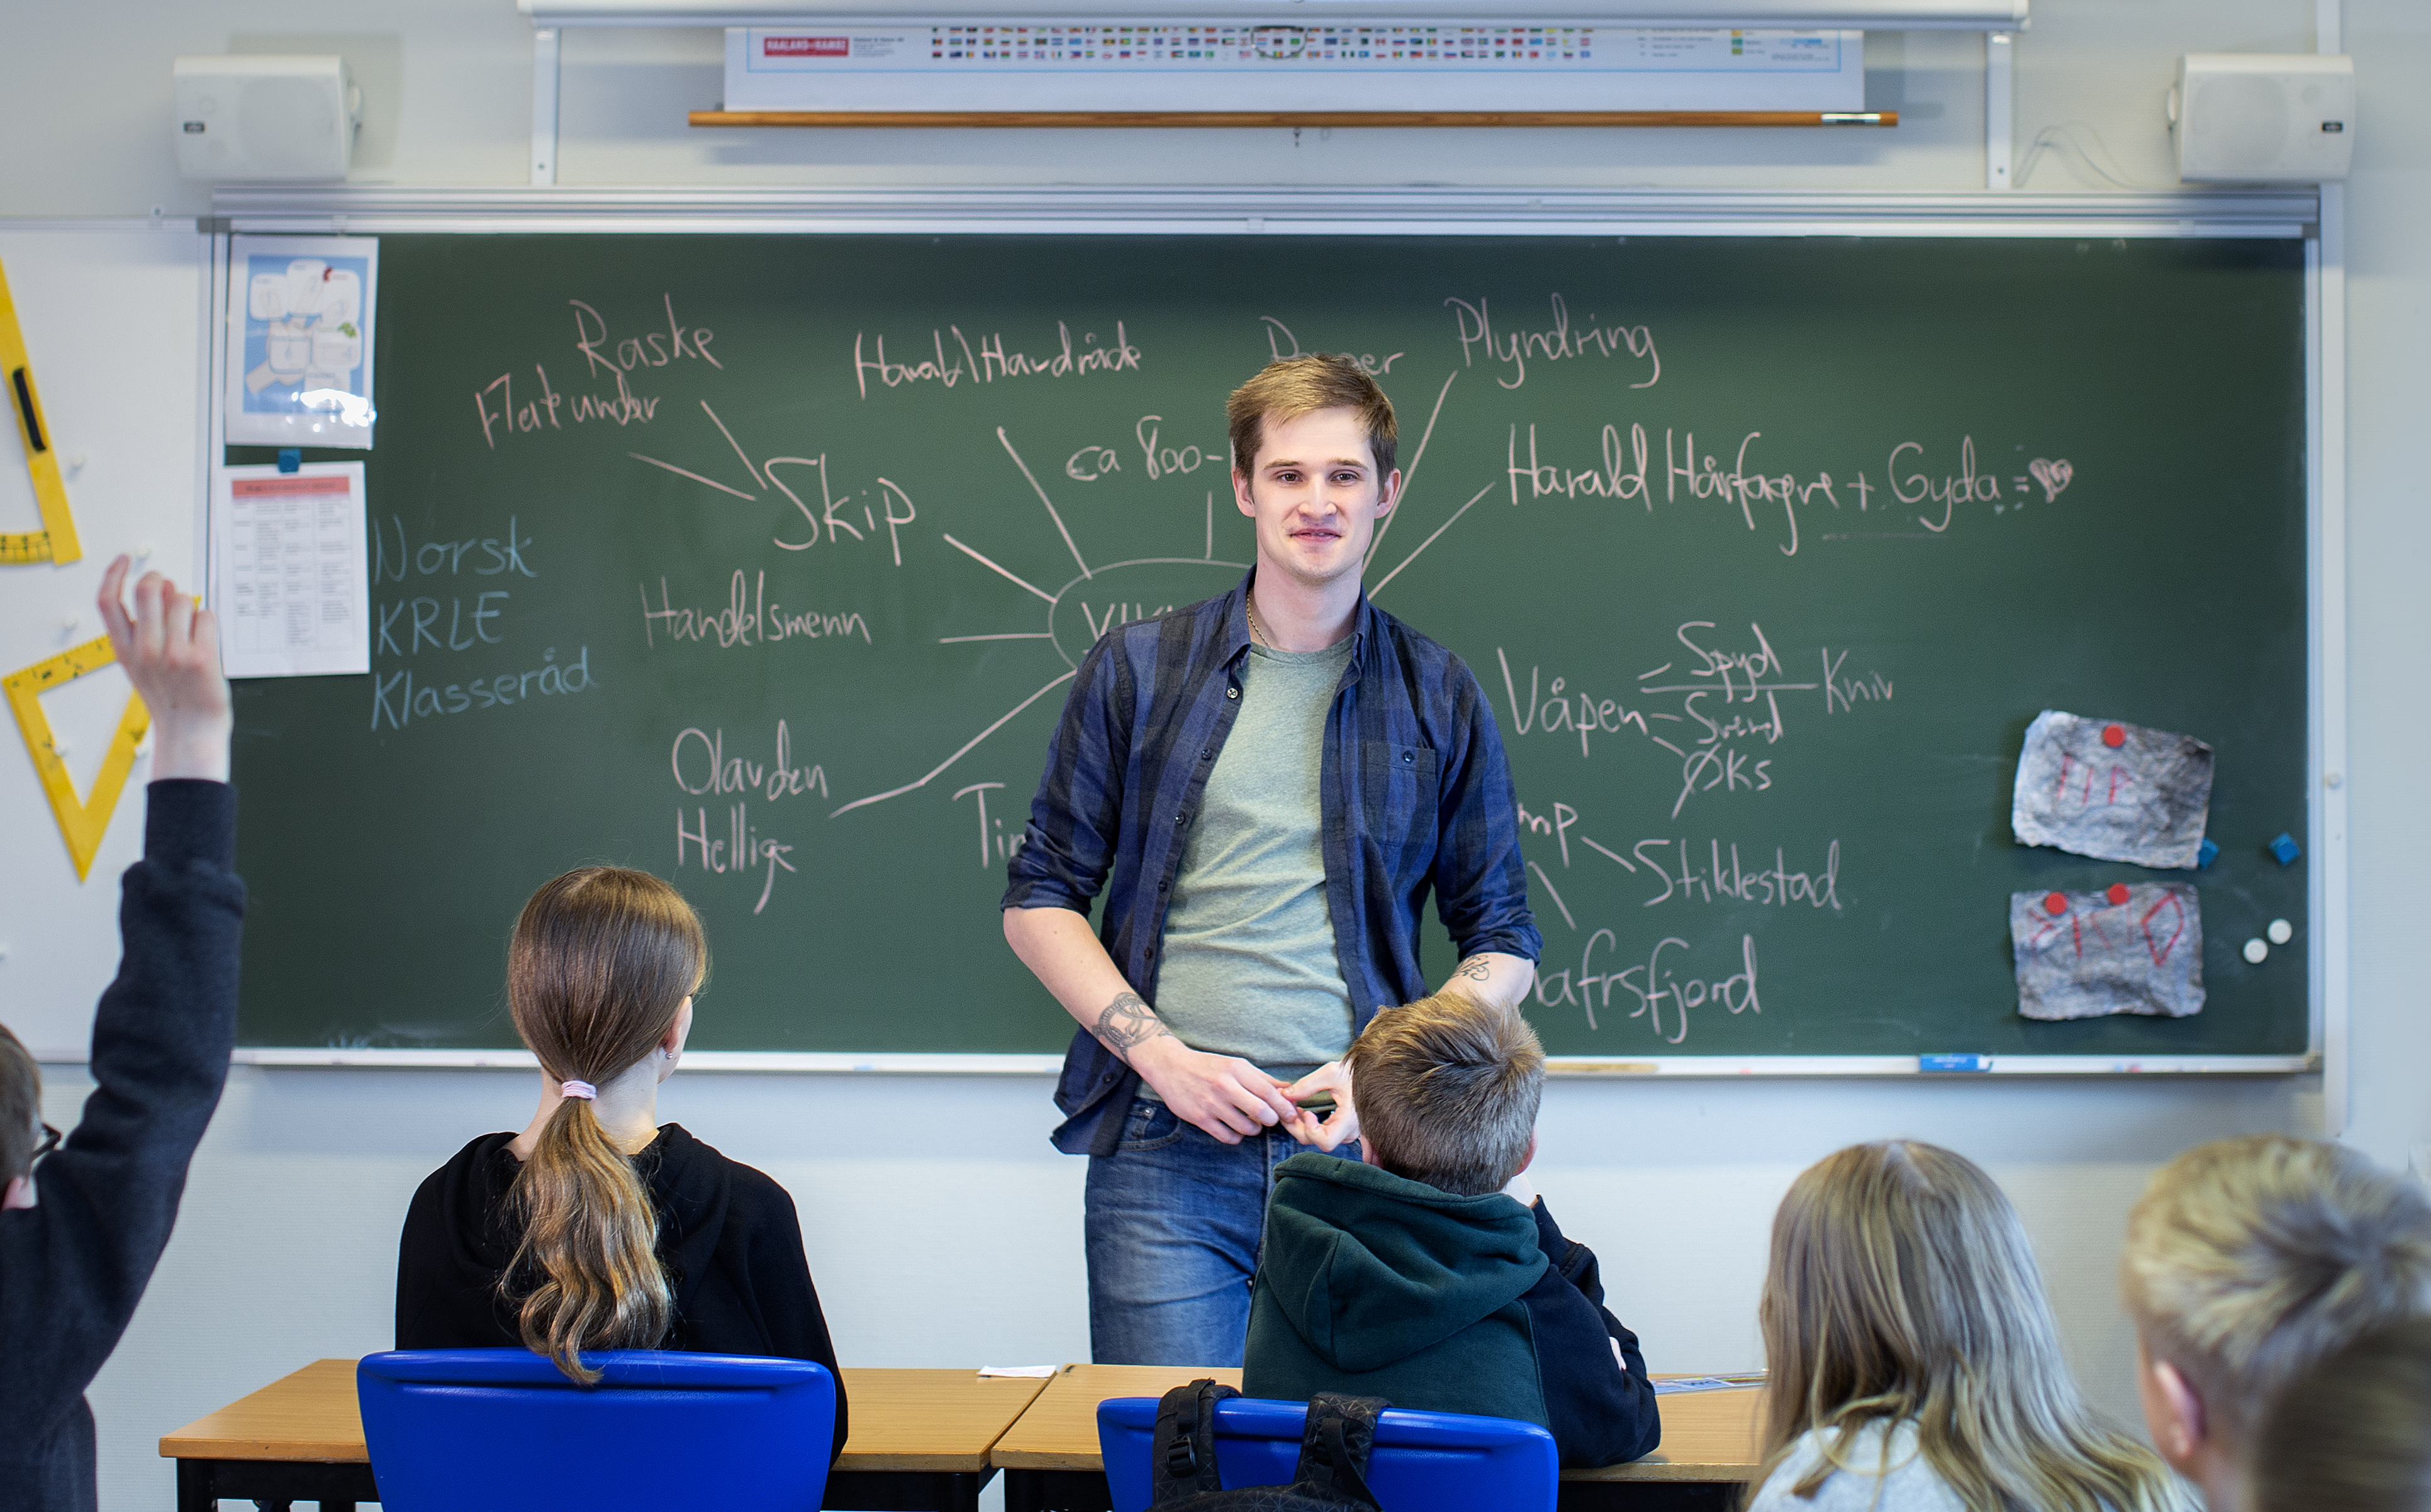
pixel 762 562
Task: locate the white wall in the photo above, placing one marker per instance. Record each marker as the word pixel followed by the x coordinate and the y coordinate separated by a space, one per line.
pixel 942 1228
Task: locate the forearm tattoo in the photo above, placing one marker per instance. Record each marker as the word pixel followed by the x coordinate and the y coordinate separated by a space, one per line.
pixel 1127 1023
pixel 1475 969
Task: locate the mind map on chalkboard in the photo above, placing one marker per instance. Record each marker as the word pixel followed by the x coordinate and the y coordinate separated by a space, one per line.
pixel 764 563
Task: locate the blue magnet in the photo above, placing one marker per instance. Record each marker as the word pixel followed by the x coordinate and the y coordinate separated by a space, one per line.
pixel 2285 849
pixel 2207 853
pixel 291 458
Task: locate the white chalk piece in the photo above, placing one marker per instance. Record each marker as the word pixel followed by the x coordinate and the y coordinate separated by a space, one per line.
pixel 2280 931
pixel 2256 952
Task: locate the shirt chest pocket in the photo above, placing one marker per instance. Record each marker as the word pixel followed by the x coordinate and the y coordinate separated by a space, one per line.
pixel 1397 791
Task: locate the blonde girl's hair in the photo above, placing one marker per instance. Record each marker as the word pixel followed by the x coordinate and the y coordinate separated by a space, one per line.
pixel 1902 1290
pixel 600 964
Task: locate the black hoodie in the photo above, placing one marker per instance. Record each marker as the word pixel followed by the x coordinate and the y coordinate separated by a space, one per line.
pixel 728 1236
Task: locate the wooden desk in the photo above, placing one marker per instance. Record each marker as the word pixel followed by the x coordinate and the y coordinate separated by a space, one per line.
pixel 1050 1460
pixel 1050 1455
pixel 301 1439
pixel 921 1439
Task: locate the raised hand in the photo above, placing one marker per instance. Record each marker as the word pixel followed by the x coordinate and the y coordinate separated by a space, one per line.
pixel 170 646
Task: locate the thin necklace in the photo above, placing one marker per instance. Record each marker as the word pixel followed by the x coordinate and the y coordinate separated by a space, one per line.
pixel 1257 632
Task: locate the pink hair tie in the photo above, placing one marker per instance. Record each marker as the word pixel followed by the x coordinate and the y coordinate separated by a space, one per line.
pixel 581 1090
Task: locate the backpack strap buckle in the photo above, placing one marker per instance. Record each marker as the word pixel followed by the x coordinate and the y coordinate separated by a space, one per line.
pixel 1181 1454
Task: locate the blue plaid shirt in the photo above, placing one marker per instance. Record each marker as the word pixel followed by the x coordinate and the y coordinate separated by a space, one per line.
pixel 1416 798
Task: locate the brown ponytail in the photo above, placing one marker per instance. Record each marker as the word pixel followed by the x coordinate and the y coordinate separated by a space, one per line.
pixel 601 962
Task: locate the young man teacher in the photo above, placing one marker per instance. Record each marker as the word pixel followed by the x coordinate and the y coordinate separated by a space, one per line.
pixel 1272 782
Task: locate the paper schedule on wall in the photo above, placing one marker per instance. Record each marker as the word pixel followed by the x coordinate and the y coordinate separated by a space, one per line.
pixel 300 334
pixel 287 571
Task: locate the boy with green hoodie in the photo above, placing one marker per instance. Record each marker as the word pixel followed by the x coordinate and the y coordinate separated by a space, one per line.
pixel 1432 1275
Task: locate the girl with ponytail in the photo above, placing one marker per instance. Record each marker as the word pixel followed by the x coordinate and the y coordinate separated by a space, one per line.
pixel 597 1227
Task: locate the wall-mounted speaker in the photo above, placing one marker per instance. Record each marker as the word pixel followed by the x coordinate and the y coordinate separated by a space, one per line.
pixel 267 118
pixel 2263 116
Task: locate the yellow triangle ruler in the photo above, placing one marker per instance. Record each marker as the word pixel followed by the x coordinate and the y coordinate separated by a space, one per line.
pixel 57 541
pixel 82 821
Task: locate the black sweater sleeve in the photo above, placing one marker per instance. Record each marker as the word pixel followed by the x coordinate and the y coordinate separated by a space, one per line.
pixel 789 1300
pixel 1602 1410
pixel 72 1268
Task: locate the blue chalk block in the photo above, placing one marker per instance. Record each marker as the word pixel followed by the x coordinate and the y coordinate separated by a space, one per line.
pixel 289 458
pixel 1953 1063
pixel 2207 853
pixel 2285 849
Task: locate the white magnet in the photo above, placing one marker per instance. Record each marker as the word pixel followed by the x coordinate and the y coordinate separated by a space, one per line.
pixel 2280 931
pixel 2256 952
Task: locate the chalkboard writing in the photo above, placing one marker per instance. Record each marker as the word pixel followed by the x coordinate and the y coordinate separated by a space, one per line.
pixel 764 563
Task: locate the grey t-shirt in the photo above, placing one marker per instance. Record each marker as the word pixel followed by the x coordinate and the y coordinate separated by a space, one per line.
pixel 1249 969
pixel 1880 1476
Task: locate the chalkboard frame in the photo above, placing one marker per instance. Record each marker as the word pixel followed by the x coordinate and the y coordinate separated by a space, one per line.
pixel 2296 214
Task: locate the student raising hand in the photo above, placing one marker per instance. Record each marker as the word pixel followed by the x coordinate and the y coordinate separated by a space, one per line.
pixel 83 1218
pixel 170 646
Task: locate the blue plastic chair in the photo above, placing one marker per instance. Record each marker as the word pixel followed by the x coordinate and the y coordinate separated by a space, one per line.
pixel 460 1430
pixel 1423 1461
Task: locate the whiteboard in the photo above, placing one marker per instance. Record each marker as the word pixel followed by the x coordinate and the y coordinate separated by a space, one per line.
pixel 113 318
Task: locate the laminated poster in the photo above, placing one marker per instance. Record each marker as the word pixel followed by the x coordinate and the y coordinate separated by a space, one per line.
pixel 2112 790
pixel 2128 949
pixel 299 341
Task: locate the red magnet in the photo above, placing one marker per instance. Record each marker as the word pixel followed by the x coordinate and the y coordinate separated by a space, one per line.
pixel 2117 893
pixel 2114 736
pixel 2056 902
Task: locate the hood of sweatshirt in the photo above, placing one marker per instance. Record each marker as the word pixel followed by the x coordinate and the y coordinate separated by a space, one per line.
pixel 688 1186
pixel 1371 1267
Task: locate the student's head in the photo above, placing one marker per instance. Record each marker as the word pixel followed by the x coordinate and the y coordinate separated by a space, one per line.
pixel 1313 444
pixel 2249 1260
pixel 600 978
pixel 2354 1434
pixel 1447 1091
pixel 1901 1287
pixel 21 1121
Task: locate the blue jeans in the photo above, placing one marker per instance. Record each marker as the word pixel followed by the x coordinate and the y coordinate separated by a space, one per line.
pixel 1174 1221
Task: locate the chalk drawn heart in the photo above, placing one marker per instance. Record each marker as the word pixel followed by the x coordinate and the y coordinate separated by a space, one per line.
pixel 2054 476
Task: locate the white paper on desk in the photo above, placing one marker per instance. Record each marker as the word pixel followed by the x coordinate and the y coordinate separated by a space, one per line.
pixel 289 581
pixel 1679 1385
pixel 1027 1373
pixel 299 341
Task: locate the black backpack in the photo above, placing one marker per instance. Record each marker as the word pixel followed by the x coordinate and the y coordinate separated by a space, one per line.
pixel 1331 1476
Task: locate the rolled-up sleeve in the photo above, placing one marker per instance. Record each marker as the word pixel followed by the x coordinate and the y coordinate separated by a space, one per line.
pixel 1068 848
pixel 1481 881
